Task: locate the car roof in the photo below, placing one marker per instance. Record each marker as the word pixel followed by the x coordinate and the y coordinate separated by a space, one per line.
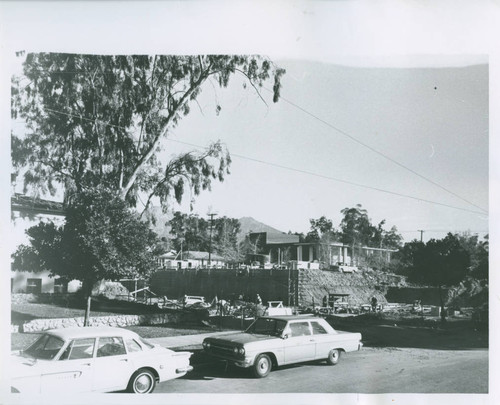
pixel 90 331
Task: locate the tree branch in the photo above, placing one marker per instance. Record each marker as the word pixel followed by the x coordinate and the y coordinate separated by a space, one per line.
pixel 149 153
pixel 253 85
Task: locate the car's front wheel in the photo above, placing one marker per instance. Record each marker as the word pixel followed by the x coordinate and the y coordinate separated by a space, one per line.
pixel 333 357
pixel 262 366
pixel 142 382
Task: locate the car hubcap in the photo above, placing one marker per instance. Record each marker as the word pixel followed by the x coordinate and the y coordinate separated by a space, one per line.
pixel 335 356
pixel 263 365
pixel 143 383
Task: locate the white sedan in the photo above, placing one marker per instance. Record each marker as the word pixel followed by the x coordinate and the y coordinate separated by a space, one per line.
pixel 100 359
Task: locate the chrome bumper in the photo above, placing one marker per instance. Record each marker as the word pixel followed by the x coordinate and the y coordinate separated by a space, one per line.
pixel 184 369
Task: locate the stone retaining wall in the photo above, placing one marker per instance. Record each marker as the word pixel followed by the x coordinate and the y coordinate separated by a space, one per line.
pixel 38 325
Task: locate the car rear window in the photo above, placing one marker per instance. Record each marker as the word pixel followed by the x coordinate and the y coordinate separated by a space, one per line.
pixel 133 346
pixel 318 329
pixel 110 346
pixel 146 343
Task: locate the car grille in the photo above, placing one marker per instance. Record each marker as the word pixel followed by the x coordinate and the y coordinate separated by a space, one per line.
pixel 222 350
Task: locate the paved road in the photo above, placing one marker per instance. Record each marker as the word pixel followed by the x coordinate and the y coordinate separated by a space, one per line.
pixel 386 370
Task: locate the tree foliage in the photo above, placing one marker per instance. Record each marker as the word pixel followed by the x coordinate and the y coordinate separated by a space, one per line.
pixel 445 261
pixel 355 229
pixel 96 120
pixel 102 239
pixel 192 232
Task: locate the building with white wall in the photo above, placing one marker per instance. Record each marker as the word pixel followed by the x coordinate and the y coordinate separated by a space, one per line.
pixel 25 213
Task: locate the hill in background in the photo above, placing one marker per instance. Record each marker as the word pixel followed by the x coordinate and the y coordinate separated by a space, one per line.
pixel 249 224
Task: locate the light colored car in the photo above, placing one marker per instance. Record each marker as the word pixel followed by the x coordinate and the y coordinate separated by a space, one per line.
pixel 274 341
pixel 101 359
pixel 189 300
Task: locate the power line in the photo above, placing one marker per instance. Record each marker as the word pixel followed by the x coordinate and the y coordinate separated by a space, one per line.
pixel 336 179
pixel 441 230
pixel 376 151
pixel 327 124
pixel 287 167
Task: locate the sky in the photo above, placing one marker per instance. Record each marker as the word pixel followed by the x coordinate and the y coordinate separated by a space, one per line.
pixel 408 142
pixel 433 121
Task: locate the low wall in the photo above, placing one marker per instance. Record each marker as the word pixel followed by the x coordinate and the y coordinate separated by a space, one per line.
pixel 38 325
pixel 306 287
pixel 223 283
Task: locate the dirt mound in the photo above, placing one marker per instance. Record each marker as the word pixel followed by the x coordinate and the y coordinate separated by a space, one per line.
pixel 469 293
pixel 360 287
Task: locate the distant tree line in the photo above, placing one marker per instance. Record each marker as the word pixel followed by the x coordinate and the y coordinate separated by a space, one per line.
pixel 446 261
pixel 192 232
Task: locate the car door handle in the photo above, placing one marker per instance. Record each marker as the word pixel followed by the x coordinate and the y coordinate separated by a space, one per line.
pixel 123 359
pixel 86 364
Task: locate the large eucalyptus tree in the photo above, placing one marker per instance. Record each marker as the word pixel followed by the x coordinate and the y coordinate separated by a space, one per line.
pixel 94 120
pixel 94 127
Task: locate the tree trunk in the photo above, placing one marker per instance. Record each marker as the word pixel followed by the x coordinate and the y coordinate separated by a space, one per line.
pixel 86 320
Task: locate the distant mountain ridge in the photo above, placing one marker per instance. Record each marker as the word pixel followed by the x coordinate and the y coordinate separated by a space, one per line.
pixel 249 224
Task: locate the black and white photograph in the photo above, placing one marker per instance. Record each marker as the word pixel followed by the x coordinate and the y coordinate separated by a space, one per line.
pixel 219 202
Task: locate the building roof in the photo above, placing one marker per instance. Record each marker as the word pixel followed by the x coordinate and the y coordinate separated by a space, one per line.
pixel 168 255
pixel 274 238
pixel 379 249
pixel 197 255
pixel 24 203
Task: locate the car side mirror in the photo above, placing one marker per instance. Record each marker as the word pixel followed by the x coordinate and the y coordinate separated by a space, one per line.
pixel 284 336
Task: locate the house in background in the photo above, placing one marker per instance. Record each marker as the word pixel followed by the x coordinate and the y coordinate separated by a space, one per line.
pixel 283 249
pixel 25 213
pixel 189 260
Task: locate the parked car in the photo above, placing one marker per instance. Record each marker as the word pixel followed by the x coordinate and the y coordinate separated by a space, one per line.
pixel 277 308
pixel 274 341
pixel 98 359
pixel 189 300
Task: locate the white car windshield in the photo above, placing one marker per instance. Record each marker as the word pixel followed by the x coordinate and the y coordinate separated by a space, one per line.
pixel 266 326
pixel 45 348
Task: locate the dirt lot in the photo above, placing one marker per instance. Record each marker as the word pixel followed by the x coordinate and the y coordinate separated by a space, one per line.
pixel 423 333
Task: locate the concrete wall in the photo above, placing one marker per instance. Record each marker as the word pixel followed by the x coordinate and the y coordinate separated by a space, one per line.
pixel 38 325
pixel 223 283
pixel 306 286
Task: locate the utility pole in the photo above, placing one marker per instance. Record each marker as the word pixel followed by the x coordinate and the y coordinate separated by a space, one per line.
pixel 211 215
pixel 421 235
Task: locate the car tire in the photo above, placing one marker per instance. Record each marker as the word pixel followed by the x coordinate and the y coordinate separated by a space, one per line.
pixel 333 357
pixel 143 381
pixel 262 366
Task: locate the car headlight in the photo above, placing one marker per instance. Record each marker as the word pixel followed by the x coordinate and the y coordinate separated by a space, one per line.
pixel 239 350
pixel 206 345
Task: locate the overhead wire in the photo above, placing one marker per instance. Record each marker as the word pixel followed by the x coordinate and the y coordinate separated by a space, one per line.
pixel 376 151
pixel 344 133
pixel 281 166
pixel 336 179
